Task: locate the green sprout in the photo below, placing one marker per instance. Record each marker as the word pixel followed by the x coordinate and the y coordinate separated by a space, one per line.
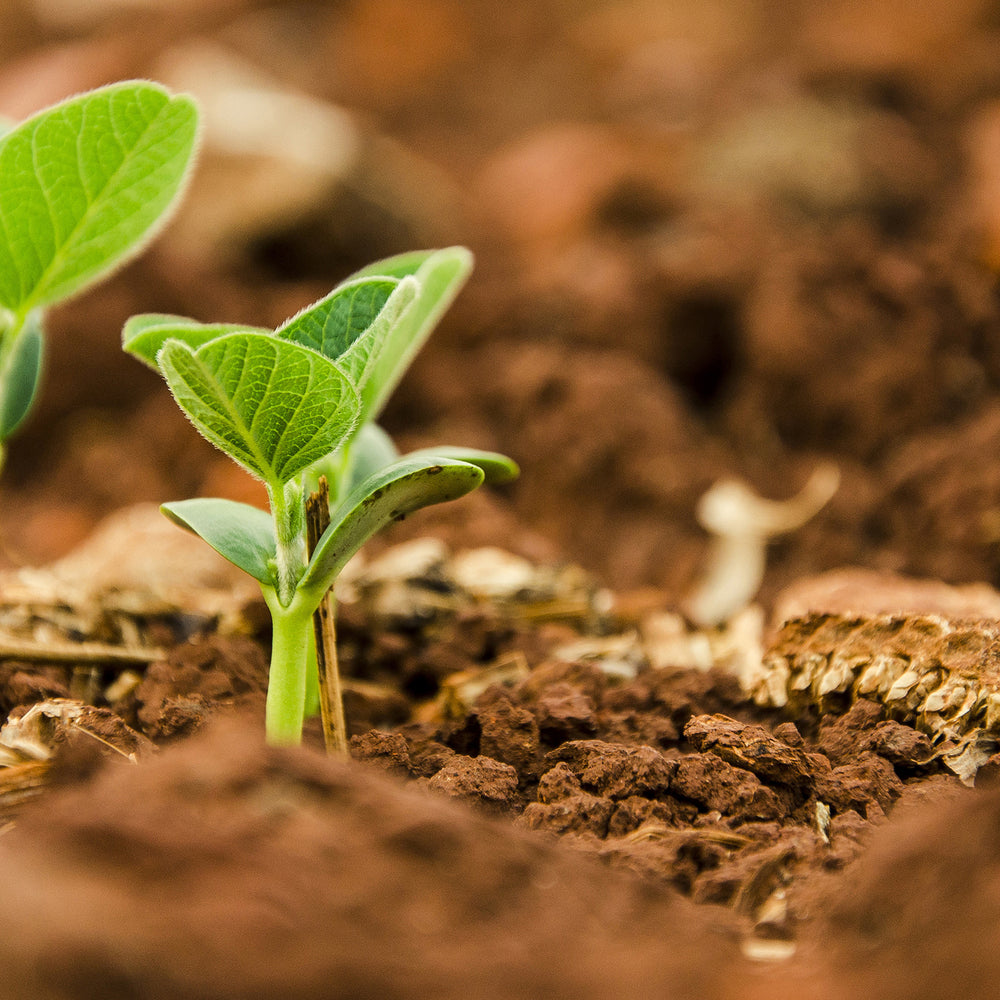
pixel 84 186
pixel 296 407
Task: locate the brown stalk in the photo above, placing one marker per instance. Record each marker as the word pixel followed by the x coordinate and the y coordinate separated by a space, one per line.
pixel 29 650
pixel 331 699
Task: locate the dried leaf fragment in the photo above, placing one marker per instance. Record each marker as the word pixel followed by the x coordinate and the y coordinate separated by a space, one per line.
pixel 46 725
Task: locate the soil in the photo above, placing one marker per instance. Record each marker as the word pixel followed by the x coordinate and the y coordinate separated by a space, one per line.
pixel 714 241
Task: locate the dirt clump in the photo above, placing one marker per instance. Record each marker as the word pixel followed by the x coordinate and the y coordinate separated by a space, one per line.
pixel 918 915
pixel 235 871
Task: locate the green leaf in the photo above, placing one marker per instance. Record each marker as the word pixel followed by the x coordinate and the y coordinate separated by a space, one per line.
pixel 356 325
pixel 144 335
pixel 333 323
pixel 83 184
pixel 497 468
pixel 272 405
pixel 440 275
pixel 387 496
pixel 363 357
pixel 398 266
pixel 20 373
pixel 241 533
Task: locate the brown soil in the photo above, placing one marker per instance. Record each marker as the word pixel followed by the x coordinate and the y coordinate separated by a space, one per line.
pixel 713 239
pixel 613 825
pixel 235 863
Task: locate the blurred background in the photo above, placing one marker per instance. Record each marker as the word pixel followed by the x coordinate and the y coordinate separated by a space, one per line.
pixel 714 238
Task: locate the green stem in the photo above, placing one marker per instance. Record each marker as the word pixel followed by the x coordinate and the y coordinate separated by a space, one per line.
pixel 10 327
pixel 286 686
pixel 338 488
pixel 286 509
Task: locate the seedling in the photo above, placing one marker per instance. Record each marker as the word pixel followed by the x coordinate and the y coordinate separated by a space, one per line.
pixel 84 186
pixel 299 403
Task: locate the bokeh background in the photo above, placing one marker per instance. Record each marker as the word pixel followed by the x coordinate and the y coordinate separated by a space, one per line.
pixel 714 238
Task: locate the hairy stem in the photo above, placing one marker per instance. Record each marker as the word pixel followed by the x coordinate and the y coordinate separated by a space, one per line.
pixel 286 509
pixel 286 685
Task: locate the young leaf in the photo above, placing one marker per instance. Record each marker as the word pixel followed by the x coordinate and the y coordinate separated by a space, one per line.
pixel 387 496
pixel 397 266
pixel 241 533
pixel 272 405
pixel 440 275
pixel 19 375
pixel 362 358
pixel 144 335
pixel 335 325
pixel 83 184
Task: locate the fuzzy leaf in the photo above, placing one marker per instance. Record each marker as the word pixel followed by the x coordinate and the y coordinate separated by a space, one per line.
pixel 83 185
pixel 397 266
pixel 387 496
pixel 241 533
pixel 19 376
pixel 440 275
pixel 144 335
pixel 351 323
pixel 272 405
